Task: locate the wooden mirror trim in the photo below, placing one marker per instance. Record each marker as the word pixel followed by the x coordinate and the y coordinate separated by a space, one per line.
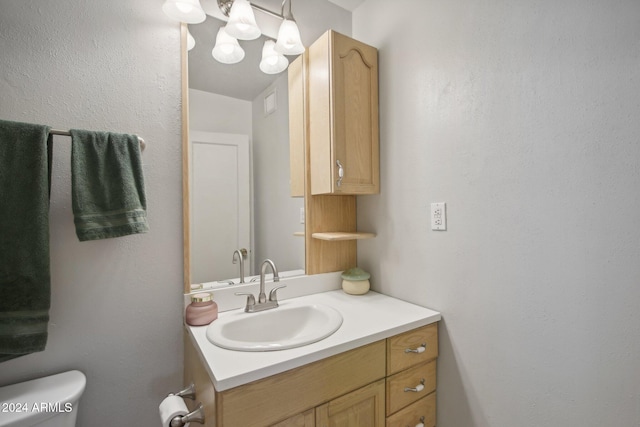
pixel 186 211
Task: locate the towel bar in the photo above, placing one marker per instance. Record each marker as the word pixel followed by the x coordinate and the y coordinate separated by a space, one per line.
pixel 67 133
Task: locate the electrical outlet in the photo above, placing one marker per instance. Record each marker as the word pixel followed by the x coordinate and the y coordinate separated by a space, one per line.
pixel 301 215
pixel 439 216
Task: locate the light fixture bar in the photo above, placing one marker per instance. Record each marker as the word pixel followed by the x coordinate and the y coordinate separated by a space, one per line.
pixel 225 7
pixel 267 11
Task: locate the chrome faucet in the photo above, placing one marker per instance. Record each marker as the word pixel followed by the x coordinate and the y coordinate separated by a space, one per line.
pixel 262 297
pixel 262 304
pixel 241 254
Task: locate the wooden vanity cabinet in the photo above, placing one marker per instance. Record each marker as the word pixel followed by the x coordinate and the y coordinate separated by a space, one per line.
pixel 343 116
pixel 363 387
pixel 333 126
pixel 333 94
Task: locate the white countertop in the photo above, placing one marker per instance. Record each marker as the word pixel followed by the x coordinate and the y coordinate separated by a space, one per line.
pixel 366 319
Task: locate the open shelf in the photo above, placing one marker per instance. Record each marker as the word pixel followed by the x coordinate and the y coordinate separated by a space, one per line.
pixel 341 235
pixel 299 233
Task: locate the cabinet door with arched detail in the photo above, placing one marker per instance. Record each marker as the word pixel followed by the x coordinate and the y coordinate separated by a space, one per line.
pixel 343 116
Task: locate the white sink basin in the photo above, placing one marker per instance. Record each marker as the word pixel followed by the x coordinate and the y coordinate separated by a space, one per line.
pixel 287 326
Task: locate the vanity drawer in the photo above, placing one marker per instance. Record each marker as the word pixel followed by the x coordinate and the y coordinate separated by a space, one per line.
pixel 412 414
pixel 408 386
pixel 405 350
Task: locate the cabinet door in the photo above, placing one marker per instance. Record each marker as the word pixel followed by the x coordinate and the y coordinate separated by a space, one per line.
pixel 343 116
pixel 361 408
pixel 355 103
pixel 306 419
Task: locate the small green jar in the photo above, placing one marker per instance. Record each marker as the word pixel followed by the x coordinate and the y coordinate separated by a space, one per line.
pixel 355 281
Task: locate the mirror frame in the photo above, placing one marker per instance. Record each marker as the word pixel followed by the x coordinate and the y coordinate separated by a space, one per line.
pixel 322 212
pixel 186 210
pixel 186 164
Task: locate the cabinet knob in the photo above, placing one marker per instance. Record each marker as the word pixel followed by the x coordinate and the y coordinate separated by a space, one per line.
pixel 340 173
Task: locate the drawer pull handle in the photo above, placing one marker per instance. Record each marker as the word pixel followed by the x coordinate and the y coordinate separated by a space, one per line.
pixel 420 349
pixel 417 388
pixel 421 423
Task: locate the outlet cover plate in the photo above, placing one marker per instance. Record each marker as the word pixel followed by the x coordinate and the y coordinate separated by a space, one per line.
pixel 439 216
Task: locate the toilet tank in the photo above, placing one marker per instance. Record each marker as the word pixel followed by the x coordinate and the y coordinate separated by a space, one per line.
pixel 46 402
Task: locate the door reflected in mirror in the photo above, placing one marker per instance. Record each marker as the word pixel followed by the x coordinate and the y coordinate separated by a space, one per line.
pixel 239 180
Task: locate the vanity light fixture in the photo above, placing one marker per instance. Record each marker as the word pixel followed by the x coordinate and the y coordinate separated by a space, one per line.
pixel 242 25
pixel 188 11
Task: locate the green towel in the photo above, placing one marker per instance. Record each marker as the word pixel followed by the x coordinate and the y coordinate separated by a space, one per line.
pixel 107 185
pixel 25 160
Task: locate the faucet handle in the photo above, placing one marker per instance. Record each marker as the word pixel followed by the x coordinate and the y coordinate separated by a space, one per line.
pixel 251 300
pixel 273 294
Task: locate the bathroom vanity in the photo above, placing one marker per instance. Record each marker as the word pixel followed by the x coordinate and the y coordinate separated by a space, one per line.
pixel 378 369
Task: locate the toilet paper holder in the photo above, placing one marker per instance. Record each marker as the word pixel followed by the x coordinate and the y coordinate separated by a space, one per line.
pixel 187 393
pixel 195 416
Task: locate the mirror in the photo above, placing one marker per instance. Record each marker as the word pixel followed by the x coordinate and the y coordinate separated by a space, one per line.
pixel 226 105
pixel 239 165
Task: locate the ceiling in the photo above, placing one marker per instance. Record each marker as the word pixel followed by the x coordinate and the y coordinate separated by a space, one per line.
pixel 244 80
pixel 349 5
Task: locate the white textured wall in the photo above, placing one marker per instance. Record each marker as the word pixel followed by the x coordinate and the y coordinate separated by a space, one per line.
pixel 276 213
pixel 523 117
pixel 116 304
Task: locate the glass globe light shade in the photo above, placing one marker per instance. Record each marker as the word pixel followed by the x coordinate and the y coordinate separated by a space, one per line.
pixel 227 49
pixel 188 11
pixel 272 62
pixel 289 42
pixel 242 22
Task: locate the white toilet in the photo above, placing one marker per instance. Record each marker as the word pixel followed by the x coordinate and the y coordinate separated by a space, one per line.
pixel 46 402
